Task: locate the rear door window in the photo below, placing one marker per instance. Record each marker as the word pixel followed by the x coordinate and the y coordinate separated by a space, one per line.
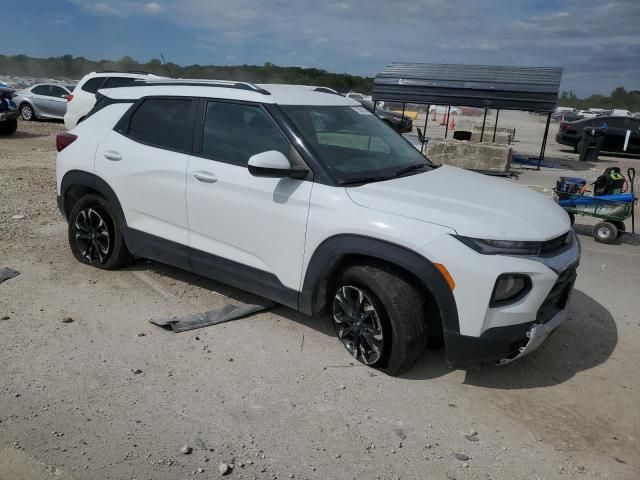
pixel 163 123
pixel 114 82
pixel 93 84
pixel 41 90
pixel 234 132
pixel 58 92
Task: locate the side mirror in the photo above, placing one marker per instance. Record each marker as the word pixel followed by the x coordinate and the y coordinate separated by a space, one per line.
pixel 273 164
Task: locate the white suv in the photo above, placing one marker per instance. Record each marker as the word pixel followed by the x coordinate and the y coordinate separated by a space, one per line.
pixel 83 97
pixel 310 200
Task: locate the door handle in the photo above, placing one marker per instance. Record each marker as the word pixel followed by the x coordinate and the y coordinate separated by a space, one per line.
pixel 205 177
pixel 111 155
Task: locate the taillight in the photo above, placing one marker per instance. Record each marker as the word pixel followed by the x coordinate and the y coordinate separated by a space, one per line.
pixel 564 126
pixel 63 140
pixel 69 98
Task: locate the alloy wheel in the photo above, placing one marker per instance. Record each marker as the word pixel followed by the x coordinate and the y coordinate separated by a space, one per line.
pixel 26 112
pixel 92 236
pixel 358 324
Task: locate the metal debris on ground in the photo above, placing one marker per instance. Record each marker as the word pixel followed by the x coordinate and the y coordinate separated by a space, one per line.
pixel 212 317
pixel 6 273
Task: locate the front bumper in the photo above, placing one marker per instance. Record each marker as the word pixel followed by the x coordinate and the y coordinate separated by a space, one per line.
pixel 9 115
pixel 504 333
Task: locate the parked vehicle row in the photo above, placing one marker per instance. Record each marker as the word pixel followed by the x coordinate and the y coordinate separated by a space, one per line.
pixel 43 100
pixel 622 134
pixel 309 199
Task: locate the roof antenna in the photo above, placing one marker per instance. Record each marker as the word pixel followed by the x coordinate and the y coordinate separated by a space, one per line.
pixel 166 66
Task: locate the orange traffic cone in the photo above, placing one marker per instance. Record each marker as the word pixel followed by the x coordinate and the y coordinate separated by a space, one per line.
pixel 433 117
pixel 452 125
pixel 443 122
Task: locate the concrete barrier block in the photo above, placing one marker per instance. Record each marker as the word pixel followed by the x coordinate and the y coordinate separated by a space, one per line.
pixel 470 155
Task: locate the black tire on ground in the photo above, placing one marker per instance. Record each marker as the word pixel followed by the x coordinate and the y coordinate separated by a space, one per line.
pixel 620 226
pixel 95 234
pixel 27 113
pixel 575 146
pixel 605 232
pixel 8 127
pixel 401 309
pixel 572 218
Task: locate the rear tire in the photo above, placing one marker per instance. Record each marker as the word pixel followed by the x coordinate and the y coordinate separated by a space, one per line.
pixel 575 146
pixel 605 232
pixel 392 308
pixel 27 113
pixel 95 234
pixel 8 127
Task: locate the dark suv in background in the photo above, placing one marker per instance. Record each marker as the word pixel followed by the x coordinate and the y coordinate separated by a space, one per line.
pixel 616 129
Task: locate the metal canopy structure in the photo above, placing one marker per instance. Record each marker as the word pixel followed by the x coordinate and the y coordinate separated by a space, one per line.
pixel 533 89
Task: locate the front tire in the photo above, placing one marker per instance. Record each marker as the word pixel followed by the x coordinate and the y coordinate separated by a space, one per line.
pixel 8 127
pixel 380 317
pixel 95 234
pixel 27 113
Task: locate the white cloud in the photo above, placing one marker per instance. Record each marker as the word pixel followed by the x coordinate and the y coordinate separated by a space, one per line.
pixel 152 8
pixel 101 9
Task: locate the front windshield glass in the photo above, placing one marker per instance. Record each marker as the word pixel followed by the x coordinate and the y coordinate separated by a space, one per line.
pixel 355 144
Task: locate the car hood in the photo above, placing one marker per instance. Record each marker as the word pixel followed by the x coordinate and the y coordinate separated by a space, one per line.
pixel 472 204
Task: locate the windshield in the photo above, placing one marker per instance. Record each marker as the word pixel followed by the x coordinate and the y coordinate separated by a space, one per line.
pixel 355 144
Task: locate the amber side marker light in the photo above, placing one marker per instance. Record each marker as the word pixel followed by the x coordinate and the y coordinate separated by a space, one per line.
pixel 447 276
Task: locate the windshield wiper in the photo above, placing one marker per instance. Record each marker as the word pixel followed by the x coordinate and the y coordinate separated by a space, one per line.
pixel 353 181
pixel 410 168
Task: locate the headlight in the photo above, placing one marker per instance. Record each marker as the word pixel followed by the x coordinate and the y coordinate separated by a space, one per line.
pixel 509 247
pixel 509 288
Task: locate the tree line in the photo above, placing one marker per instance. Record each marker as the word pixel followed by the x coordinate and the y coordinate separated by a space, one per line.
pixel 619 98
pixel 68 66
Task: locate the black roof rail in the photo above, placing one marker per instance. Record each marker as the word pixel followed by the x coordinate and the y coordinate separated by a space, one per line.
pixel 203 83
pixel 141 72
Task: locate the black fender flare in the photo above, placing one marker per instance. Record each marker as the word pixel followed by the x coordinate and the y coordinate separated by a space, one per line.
pixel 79 178
pixel 330 253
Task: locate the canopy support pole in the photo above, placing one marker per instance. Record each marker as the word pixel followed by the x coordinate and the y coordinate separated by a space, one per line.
pixel 495 127
pixel 424 133
pixel 544 140
pixel 446 127
pixel 484 120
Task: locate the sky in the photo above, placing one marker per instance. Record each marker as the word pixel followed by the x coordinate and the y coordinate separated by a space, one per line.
pixel 597 42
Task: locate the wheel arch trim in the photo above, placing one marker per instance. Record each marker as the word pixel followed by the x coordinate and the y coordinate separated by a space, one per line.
pixel 333 251
pixel 79 178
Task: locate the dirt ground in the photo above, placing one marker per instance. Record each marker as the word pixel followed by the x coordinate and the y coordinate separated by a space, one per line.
pixel 276 395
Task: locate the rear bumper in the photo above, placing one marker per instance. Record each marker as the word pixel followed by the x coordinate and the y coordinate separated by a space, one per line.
pixel 564 139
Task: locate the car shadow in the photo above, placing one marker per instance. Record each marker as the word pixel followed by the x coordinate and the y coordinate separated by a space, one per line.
pixel 18 134
pixel 586 339
pixel 235 295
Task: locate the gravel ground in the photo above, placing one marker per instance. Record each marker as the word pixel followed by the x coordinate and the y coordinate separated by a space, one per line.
pixel 106 395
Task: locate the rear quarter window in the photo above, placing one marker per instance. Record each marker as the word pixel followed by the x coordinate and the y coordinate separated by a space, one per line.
pixel 114 82
pixel 93 84
pixel 162 123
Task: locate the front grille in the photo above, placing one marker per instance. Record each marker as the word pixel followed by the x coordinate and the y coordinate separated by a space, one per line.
pixel 557 298
pixel 555 245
